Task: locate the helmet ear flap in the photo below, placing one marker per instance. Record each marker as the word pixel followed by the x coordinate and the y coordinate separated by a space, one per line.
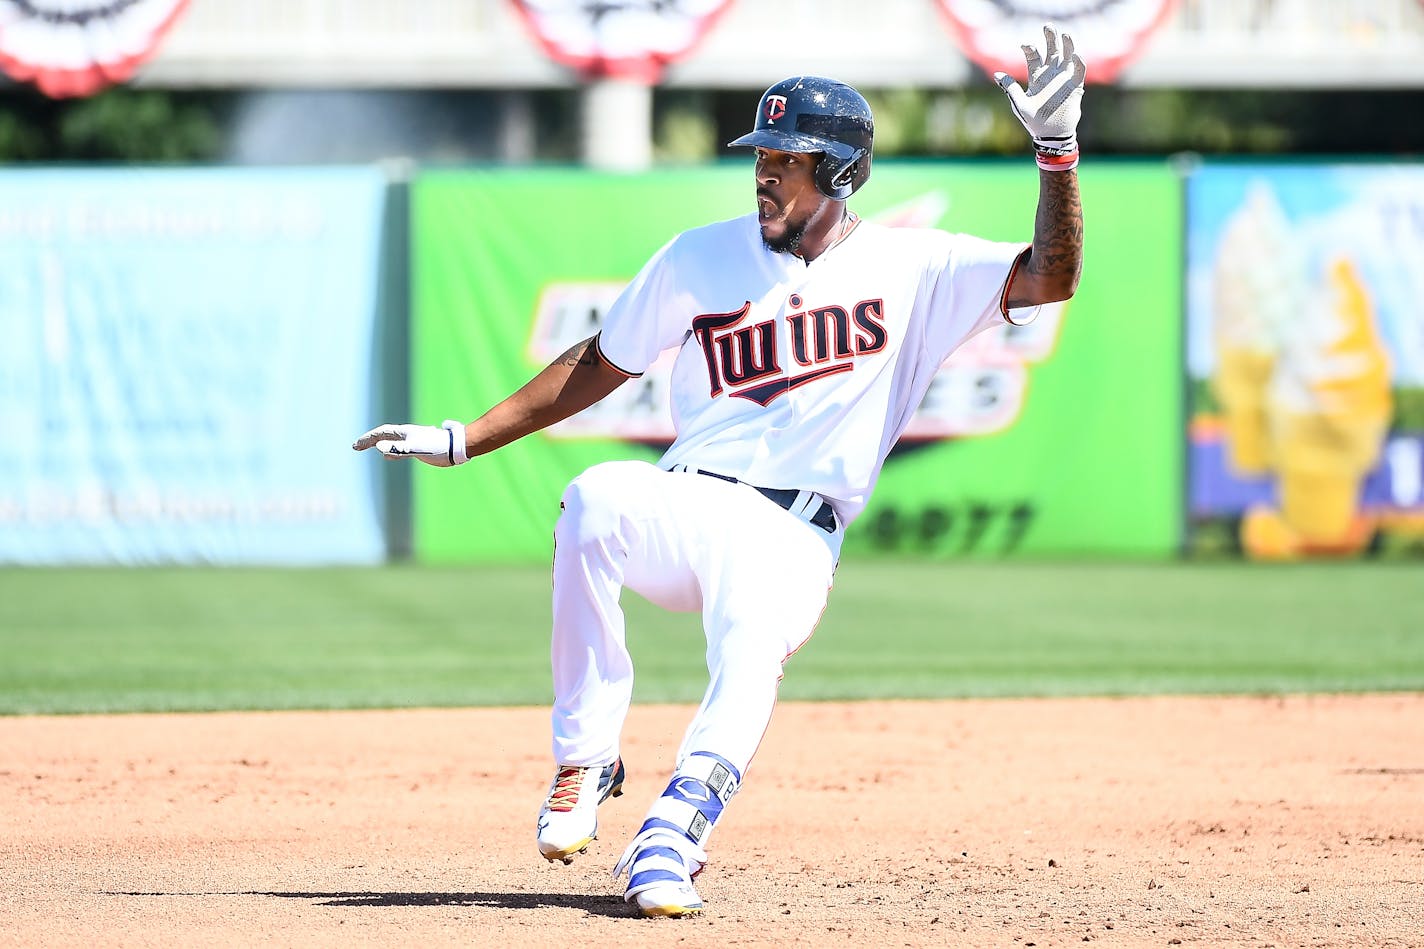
pixel 838 178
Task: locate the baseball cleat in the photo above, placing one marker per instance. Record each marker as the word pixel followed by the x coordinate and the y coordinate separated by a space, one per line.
pixel 660 869
pixel 568 821
pixel 673 901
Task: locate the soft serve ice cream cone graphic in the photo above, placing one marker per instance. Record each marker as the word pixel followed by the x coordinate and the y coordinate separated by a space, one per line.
pixel 1329 407
pixel 1303 380
pixel 1258 284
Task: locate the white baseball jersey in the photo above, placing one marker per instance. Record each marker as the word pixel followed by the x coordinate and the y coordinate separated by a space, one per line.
pixel 797 375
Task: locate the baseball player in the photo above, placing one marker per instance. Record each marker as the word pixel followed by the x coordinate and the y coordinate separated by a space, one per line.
pixel 806 337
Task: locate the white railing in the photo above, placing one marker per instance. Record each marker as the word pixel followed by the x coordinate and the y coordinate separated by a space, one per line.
pixel 352 43
pixel 482 43
pixel 1336 43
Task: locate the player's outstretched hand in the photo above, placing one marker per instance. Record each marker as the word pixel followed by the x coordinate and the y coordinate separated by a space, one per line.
pixel 1052 104
pixel 441 446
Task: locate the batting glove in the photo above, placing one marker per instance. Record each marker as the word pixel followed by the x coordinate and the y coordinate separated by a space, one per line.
pixel 442 447
pixel 1052 105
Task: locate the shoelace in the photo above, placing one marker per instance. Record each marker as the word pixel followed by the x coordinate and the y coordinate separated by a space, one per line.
pixel 565 794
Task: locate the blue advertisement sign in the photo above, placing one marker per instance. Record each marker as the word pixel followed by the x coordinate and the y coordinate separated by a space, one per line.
pixel 185 355
pixel 1305 356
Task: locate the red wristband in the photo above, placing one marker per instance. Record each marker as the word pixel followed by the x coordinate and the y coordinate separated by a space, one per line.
pixel 1050 162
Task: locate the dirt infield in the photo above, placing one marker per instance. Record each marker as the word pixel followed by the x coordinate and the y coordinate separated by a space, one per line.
pixel 1153 822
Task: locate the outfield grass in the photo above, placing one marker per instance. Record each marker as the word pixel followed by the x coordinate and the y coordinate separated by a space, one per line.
pixel 195 639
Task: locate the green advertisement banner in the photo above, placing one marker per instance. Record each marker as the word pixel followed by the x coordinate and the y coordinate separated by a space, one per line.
pixel 1061 438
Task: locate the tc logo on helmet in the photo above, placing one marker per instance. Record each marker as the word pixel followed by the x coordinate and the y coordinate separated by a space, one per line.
pixel 775 108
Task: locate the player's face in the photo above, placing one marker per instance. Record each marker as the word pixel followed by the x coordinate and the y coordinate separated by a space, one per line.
pixel 788 203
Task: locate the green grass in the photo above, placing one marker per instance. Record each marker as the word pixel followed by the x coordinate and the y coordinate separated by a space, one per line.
pixel 101 640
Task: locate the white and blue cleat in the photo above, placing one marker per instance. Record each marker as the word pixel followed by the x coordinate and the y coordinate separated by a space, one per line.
pixel 660 869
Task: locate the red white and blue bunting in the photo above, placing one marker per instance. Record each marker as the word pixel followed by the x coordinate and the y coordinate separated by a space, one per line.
pixel 78 47
pixel 621 39
pixel 1108 34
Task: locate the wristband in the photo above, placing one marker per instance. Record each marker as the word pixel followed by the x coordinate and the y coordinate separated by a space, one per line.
pixel 457 441
pixel 1051 162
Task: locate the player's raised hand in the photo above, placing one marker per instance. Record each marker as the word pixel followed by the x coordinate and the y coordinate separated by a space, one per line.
pixel 441 446
pixel 1052 104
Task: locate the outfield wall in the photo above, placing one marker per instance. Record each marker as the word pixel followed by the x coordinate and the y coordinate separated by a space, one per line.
pixel 189 354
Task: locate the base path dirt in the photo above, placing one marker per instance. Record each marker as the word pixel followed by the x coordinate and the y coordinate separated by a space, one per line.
pixel 1141 822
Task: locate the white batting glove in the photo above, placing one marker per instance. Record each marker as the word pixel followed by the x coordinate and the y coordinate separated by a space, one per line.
pixel 442 447
pixel 1052 105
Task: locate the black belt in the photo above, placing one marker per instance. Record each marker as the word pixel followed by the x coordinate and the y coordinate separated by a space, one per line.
pixel 824 518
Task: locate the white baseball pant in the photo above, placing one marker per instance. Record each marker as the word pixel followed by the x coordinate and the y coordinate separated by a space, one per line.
pixel 685 541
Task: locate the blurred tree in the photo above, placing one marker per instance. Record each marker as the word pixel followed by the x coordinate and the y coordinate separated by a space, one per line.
pixel 19 140
pixel 558 116
pixel 683 128
pixel 138 126
pixel 974 120
pixel 901 120
pixel 962 120
pixel 127 124
pixel 118 125
pixel 1208 121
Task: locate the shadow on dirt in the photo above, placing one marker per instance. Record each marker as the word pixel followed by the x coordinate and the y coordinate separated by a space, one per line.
pixel 597 905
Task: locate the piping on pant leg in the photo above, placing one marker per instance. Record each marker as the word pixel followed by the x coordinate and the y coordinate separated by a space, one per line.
pixel 592 669
pixel 759 609
pixel 620 525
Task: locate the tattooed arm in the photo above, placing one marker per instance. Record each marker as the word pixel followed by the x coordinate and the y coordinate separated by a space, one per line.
pixel 1049 109
pixel 568 385
pixel 1055 261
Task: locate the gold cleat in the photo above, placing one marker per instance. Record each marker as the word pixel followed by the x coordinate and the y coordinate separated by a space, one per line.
pixel 670 912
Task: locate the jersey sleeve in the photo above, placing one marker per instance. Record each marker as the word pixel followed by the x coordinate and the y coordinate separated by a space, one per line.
pixel 969 290
pixel 645 319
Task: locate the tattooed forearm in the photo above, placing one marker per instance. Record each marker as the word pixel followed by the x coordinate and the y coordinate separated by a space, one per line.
pixel 569 384
pixel 579 354
pixel 1058 227
pixel 1057 256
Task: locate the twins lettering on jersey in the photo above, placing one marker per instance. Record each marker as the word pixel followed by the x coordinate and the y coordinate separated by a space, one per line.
pixel 743 359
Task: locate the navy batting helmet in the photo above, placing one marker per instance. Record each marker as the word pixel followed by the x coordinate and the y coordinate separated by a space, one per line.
pixel 811 114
